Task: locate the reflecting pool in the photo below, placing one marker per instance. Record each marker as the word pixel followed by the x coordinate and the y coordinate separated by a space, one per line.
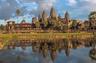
pixel 51 52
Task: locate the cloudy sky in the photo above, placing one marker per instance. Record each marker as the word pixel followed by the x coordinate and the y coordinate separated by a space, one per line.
pixel 78 9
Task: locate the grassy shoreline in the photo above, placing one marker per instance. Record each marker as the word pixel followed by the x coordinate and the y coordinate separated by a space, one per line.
pixel 5 38
pixel 45 35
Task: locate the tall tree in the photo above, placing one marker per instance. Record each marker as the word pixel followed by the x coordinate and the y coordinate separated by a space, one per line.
pixel 74 25
pixel 18 12
pixel 1 27
pixel 92 20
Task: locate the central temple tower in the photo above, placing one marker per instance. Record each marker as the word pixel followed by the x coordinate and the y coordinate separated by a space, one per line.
pixel 53 13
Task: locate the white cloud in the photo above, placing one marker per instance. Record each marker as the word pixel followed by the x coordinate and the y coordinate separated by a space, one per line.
pixel 47 4
pixel 72 2
pixel 33 7
pixel 90 4
pixel 8 4
pixel 30 6
pixel 90 1
pixel 83 8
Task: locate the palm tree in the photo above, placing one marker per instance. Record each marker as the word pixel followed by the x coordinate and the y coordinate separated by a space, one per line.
pixel 74 25
pixel 18 12
pixel 92 20
pixel 1 27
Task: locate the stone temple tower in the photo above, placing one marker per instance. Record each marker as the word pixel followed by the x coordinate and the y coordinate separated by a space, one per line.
pixel 53 13
pixel 40 16
pixel 44 16
pixel 67 17
pixel 67 20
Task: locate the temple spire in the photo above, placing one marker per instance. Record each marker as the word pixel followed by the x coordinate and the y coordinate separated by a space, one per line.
pixel 40 16
pixel 44 15
pixel 67 15
pixel 53 13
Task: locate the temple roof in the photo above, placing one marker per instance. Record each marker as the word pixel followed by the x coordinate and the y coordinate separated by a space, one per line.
pixel 23 22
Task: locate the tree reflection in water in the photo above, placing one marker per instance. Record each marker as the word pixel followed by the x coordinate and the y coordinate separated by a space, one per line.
pixel 18 59
pixel 67 47
pixel 1 61
pixel 92 53
pixel 44 49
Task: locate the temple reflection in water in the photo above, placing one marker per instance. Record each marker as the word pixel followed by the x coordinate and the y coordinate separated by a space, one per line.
pixel 52 49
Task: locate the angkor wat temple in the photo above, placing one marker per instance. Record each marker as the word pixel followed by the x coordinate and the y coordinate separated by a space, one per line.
pixel 53 22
